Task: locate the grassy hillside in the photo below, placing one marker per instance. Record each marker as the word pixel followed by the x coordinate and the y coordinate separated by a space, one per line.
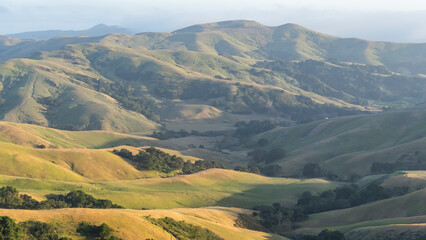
pixel 348 146
pixel 30 135
pixel 131 224
pixel 201 73
pixel 37 94
pixel 404 213
pixel 214 187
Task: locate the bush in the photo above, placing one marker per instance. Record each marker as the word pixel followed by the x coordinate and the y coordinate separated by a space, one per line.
pixel 103 231
pixel 326 234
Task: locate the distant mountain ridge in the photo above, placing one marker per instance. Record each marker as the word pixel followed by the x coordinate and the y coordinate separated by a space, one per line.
pixel 98 30
pixel 218 73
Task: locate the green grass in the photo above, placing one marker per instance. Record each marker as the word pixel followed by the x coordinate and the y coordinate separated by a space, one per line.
pixel 213 187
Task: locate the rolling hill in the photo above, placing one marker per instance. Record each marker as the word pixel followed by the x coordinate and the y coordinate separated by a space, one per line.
pixel 212 187
pixel 387 218
pixel 345 111
pixel 348 146
pixel 131 224
pixel 226 70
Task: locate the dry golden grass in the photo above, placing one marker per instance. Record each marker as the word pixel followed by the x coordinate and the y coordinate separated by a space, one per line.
pixel 131 224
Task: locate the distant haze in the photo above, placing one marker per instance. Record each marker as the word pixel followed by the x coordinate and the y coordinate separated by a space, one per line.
pixel 390 20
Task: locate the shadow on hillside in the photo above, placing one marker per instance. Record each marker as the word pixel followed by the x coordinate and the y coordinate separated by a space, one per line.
pixel 125 141
pixel 261 194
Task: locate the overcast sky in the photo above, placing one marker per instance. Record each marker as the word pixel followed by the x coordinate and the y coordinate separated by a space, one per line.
pixel 390 20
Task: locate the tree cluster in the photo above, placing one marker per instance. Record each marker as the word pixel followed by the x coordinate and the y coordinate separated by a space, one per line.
pixel 279 219
pixel 313 170
pixel 346 197
pixel 406 163
pixel 155 159
pixel 36 230
pixel 249 169
pixel 245 130
pixel 11 199
pixel 326 234
pixel 164 134
pixel 101 232
pixel 184 231
pixel 32 230
pixel 259 155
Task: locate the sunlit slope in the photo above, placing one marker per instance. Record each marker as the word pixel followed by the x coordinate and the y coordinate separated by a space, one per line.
pixel 414 179
pixel 30 135
pixel 214 187
pixel 39 93
pixel 66 164
pixel 131 224
pixel 249 39
pixel 347 146
pixel 45 153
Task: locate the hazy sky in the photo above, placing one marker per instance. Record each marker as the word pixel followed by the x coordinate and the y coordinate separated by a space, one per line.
pixel 392 20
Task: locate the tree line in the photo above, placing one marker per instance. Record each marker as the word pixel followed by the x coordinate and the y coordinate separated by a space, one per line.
pixel 36 230
pixel 11 199
pixel 346 197
pixel 157 160
pixel 184 231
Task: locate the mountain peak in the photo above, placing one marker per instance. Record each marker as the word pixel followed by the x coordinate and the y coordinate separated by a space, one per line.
pixel 100 26
pixel 222 25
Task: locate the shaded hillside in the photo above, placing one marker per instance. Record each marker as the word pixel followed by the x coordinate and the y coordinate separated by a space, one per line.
pixel 352 147
pixel 405 209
